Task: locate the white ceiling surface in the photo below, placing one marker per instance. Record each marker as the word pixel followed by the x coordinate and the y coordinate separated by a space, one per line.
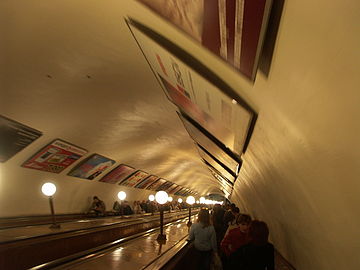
pixel 300 171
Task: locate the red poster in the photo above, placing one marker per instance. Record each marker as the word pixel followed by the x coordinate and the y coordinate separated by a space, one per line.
pixel 134 179
pixel 174 189
pixel 157 184
pixel 55 157
pixel 147 182
pixel 118 174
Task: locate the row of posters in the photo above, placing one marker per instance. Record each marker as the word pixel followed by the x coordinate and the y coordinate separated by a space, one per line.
pixel 218 120
pixel 58 155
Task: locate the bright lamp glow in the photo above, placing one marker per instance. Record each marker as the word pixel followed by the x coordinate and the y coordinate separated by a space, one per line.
pixel 190 200
pixel 161 197
pixel 48 189
pixel 180 200
pixel 121 195
pixel 170 199
pixel 197 202
pixel 151 198
pixel 202 200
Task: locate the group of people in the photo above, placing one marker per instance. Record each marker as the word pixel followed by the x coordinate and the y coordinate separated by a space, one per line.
pixel 231 239
pixel 98 207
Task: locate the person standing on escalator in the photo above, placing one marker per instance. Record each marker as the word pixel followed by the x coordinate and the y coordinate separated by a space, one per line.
pixel 204 237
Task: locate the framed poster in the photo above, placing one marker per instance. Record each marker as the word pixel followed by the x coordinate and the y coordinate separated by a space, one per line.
pixel 231 29
pixel 226 172
pixel 206 141
pixel 118 174
pixel 181 191
pixel 197 91
pixel 55 157
pixel 91 167
pixel 165 186
pixel 147 181
pixel 134 179
pixel 187 192
pixel 174 189
pixel 225 183
pixel 14 137
pixel 156 185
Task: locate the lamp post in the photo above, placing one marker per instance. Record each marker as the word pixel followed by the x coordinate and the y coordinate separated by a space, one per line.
pixel 121 195
pixel 170 199
pixel 49 189
pixel 161 197
pixel 190 200
pixel 151 199
pixel 180 201
pixel 202 201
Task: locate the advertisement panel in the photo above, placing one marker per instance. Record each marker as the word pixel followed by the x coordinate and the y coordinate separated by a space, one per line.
pixel 14 137
pixel 157 184
pixel 134 179
pixel 55 157
pixel 147 182
pixel 118 174
pixel 197 91
pixel 92 167
pixel 231 29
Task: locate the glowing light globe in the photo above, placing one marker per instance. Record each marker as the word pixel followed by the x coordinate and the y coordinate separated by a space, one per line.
pixel 180 200
pixel 121 195
pixel 151 198
pixel 161 197
pixel 48 189
pixel 190 200
pixel 170 199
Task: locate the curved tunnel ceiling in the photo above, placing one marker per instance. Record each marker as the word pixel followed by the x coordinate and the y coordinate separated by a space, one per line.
pixel 86 75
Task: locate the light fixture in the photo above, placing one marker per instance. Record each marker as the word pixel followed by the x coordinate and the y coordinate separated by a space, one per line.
pixel 190 200
pixel 49 189
pixel 121 195
pixel 180 200
pixel 151 205
pixel 170 199
pixel 161 197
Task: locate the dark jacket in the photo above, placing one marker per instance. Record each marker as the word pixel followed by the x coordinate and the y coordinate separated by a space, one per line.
pixel 253 257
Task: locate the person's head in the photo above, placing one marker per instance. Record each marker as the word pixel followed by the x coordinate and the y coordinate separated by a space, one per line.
pixel 96 199
pixel 243 221
pixel 259 232
pixel 236 211
pixel 232 207
pixel 204 217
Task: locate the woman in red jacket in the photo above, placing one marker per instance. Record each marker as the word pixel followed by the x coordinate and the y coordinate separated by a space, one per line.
pixel 236 237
